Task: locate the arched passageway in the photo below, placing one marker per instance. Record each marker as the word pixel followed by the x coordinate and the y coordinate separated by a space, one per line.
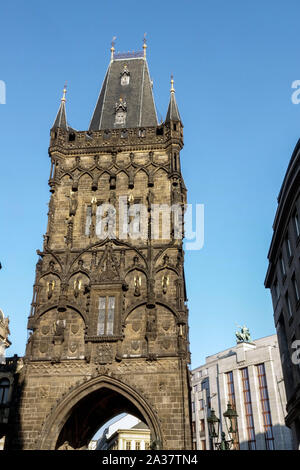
pixel 77 417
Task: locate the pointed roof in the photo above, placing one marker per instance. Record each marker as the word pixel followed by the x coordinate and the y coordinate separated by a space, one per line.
pixel 61 117
pixel 135 91
pixel 172 113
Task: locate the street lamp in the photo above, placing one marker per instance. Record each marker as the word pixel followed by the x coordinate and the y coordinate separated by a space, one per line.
pixel 230 416
pixel 213 425
pixel 213 421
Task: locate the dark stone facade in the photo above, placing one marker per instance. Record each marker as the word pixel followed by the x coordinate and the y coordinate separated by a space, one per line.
pixel 81 370
pixel 283 278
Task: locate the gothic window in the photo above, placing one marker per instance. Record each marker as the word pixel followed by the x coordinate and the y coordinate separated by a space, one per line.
pixel 4 390
pixel 106 316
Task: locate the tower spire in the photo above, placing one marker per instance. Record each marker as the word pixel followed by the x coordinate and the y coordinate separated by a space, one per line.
pixel 173 113
pixel 61 117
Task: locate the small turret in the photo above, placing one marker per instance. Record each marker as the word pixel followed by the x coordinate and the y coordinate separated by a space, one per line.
pixel 61 117
pixel 173 113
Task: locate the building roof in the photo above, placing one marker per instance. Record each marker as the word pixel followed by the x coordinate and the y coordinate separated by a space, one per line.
pixel 140 425
pixel 136 95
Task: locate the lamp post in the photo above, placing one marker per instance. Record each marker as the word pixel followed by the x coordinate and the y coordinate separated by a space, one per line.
pixel 213 421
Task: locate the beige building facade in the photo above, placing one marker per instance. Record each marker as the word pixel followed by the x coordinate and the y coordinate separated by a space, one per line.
pixel 249 376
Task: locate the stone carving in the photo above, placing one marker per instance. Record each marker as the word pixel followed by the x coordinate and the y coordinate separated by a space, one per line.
pixel 104 353
pixel 72 347
pixel 77 287
pixel 45 329
pixel 137 285
pixel 164 283
pixel 74 328
pixel 135 345
pixel 50 288
pixel 44 391
pixel 151 324
pixel 43 347
pixel 73 204
pixel 59 330
pixel 136 326
pixel 109 266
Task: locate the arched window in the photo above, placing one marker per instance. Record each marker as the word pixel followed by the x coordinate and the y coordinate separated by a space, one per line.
pixel 4 390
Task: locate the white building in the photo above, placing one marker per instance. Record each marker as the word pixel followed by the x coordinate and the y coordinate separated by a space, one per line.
pixel 127 433
pixel 249 376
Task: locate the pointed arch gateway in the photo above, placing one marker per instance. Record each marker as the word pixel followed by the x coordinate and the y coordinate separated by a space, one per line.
pixel 87 407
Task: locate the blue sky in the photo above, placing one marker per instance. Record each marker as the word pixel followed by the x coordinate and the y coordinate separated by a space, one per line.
pixel 233 64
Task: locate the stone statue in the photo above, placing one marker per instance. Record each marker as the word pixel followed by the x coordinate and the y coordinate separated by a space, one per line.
pixel 243 336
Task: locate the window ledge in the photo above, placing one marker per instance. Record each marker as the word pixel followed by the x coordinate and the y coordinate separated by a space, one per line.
pixel 103 338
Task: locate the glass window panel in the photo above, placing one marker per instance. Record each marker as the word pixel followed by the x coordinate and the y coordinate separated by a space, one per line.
pixel 101 317
pixel 99 220
pixel 88 220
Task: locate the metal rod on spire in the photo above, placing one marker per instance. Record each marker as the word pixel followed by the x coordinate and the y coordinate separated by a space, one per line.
pixel 64 92
pixel 145 45
pixel 172 90
pixel 112 49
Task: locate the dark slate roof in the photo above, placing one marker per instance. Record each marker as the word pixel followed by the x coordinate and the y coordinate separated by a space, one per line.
pixel 140 425
pixel 61 117
pixel 173 113
pixel 140 107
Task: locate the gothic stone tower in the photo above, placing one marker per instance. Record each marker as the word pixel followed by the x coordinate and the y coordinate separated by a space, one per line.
pixel 109 325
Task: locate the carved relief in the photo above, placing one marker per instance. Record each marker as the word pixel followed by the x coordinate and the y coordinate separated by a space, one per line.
pixel 104 353
pixel 108 266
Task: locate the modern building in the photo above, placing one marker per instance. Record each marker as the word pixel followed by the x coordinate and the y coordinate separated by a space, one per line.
pixel 249 377
pixel 128 433
pixel 108 327
pixel 283 279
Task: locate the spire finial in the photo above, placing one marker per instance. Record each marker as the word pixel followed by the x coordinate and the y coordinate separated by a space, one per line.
pixel 172 90
pixel 112 49
pixel 145 45
pixel 64 92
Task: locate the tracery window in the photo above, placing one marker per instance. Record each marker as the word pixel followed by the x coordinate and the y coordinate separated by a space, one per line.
pixel 106 316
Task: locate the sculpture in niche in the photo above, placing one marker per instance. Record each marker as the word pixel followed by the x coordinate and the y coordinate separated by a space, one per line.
pixel 109 266
pixel 137 285
pixel 73 204
pixel 59 328
pixel 165 282
pixel 77 286
pixel 50 288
